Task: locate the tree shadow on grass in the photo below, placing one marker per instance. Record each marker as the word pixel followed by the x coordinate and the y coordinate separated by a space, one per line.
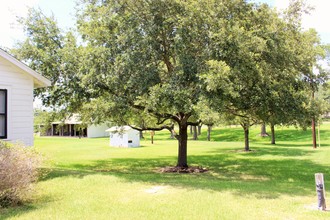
pixel 10 212
pixel 298 134
pixel 27 206
pixel 243 173
pixel 284 150
pixel 255 173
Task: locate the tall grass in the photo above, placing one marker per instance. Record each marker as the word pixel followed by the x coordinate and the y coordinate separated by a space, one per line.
pixel 90 180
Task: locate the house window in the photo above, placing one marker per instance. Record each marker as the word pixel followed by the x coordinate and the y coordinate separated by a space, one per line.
pixel 3 113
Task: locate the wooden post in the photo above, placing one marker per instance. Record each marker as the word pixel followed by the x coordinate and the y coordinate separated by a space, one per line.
pixel 320 191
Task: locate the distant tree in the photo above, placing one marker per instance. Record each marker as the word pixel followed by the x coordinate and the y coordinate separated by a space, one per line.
pixel 43 119
pixel 291 104
pixel 54 54
pixel 195 132
pixel 235 74
pixel 265 80
pixel 263 132
pixel 207 116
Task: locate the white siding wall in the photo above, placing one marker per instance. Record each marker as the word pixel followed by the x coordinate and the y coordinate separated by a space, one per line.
pixel 133 138
pixel 97 131
pixel 118 140
pixel 20 102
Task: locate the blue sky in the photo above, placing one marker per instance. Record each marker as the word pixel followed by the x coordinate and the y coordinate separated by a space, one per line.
pixel 63 10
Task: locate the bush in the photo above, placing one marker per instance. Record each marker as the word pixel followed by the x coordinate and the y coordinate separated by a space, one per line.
pixel 18 171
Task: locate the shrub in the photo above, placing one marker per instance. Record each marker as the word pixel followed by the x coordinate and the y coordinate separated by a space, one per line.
pixel 18 171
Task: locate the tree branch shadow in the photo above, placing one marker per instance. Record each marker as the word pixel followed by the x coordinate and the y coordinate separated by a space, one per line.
pixel 244 173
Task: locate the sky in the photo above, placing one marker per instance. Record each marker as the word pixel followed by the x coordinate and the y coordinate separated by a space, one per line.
pixel 63 10
pixel 11 31
pixel 318 18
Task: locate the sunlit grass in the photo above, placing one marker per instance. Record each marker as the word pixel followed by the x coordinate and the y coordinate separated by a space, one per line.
pixel 87 179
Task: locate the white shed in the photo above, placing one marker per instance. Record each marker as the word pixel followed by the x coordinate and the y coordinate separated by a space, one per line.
pixel 17 82
pixel 124 136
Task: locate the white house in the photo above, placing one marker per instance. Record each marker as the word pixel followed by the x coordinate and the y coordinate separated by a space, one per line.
pixel 17 82
pixel 124 136
pixel 72 127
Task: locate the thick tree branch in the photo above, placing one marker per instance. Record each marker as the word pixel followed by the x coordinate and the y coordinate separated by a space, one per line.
pixel 165 116
pixel 168 127
pixel 159 121
pixel 194 123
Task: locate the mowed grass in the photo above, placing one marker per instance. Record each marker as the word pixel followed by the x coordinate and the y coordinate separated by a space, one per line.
pixel 87 179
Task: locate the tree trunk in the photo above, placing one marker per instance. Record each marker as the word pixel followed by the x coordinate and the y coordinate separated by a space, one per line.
pixel 182 140
pixel 209 127
pixel 313 127
pixel 313 133
pixel 272 127
pixel 263 132
pixel 141 135
pixel 152 134
pixel 199 129
pixel 172 135
pixel 195 133
pixel 246 137
pixel 191 129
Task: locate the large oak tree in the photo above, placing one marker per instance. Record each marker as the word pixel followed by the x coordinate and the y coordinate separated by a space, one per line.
pixel 148 56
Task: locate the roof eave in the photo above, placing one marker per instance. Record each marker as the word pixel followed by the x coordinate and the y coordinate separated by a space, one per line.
pixel 39 80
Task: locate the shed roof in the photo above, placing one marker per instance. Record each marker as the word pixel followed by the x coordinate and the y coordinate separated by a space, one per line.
pixel 38 80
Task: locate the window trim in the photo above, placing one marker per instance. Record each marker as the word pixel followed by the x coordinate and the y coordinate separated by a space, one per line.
pixel 5 114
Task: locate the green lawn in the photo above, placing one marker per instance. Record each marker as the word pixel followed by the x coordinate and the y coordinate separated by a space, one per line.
pixel 87 179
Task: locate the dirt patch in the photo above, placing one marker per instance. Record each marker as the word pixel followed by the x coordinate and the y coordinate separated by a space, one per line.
pixel 155 189
pixel 183 170
pixel 314 207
